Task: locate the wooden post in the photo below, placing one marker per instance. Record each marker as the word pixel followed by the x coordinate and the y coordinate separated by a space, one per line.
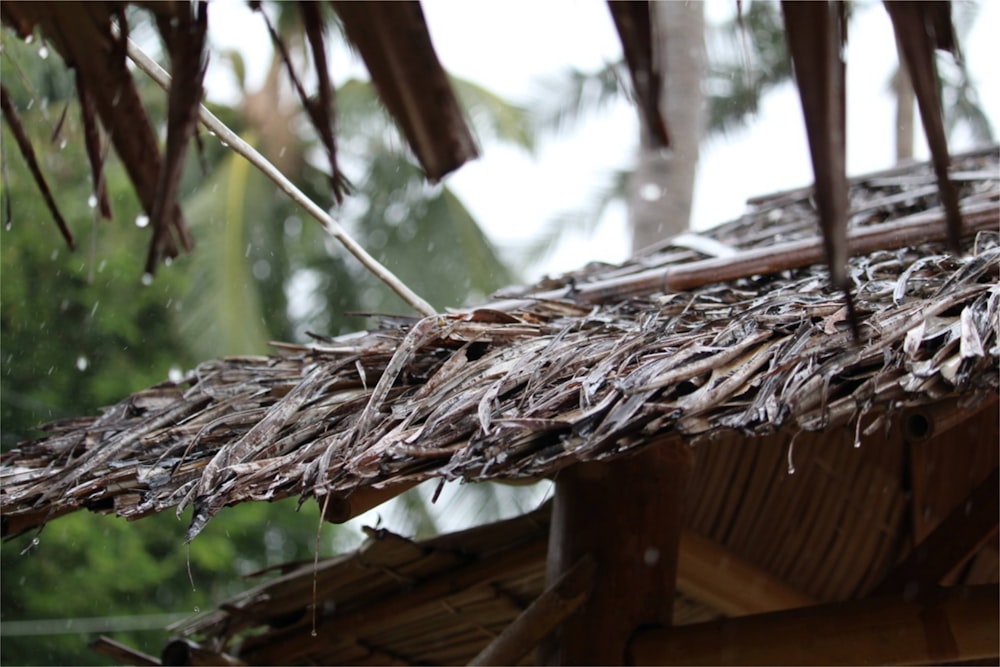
pixel 627 516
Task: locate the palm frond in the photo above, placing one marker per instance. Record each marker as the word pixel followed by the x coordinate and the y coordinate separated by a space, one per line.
pixel 566 99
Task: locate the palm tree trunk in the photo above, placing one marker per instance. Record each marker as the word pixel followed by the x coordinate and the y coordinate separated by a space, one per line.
pixel 902 88
pixel 662 186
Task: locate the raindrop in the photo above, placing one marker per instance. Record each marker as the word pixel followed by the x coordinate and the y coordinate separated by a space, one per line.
pixel 62 144
pixel 92 201
pixel 791 450
pixel 167 261
pixel 147 279
pixel 102 266
pixel 7 225
pixel 197 609
pixel 650 191
pixel 31 103
pixel 29 39
pixel 223 143
pixel 82 363
pixel 246 253
pixel 857 444
pixel 261 269
pixel 141 220
pixel 175 374
pixel 31 545
pixel 651 556
pixel 43 52
pixel 293 226
pixel 313 633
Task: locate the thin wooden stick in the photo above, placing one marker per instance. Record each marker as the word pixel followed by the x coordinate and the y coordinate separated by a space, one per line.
pixel 331 226
pixel 543 615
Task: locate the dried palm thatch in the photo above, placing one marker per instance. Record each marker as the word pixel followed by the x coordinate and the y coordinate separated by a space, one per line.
pixel 587 367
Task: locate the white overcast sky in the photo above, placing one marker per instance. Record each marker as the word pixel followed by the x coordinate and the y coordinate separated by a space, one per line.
pixel 510 46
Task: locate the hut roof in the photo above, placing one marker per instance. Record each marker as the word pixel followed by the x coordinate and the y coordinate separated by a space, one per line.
pixel 732 331
pixel 755 540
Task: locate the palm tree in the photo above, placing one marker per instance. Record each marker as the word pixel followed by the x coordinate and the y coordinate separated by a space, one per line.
pixel 746 58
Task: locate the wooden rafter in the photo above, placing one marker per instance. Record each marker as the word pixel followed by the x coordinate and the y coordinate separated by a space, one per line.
pixel 548 610
pixel 710 573
pixel 967 529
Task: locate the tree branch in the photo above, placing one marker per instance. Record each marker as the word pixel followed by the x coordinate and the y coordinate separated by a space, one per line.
pixel 331 226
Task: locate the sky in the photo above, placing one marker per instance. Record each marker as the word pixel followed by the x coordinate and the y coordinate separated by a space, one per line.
pixel 510 48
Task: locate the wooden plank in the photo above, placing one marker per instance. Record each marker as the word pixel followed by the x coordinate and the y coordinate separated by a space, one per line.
pixel 954 624
pixel 626 514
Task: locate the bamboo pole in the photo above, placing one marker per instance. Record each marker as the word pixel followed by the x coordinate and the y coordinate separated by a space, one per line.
pixel 916 229
pixel 953 625
pixel 626 514
pixel 930 421
pixel 543 615
pixel 330 226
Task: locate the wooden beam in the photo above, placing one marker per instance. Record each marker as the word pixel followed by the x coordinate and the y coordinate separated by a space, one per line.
pixel 548 610
pixel 929 421
pixel 627 515
pixel 954 624
pixel 966 530
pixel 715 576
pixel 342 510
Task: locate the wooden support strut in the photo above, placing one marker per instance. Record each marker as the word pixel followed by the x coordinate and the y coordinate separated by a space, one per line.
pixel 626 515
pixel 950 625
pixel 543 615
pixel 969 527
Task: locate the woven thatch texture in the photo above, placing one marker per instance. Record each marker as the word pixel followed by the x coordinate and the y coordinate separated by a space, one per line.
pixel 544 383
pixel 831 531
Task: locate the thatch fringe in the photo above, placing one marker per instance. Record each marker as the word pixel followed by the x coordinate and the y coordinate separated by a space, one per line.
pixel 485 394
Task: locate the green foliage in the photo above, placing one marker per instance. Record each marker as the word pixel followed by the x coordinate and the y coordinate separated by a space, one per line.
pixel 747 58
pixel 90 567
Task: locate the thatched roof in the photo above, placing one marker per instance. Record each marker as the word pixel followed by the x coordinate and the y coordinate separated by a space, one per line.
pixel 586 367
pixel 755 540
